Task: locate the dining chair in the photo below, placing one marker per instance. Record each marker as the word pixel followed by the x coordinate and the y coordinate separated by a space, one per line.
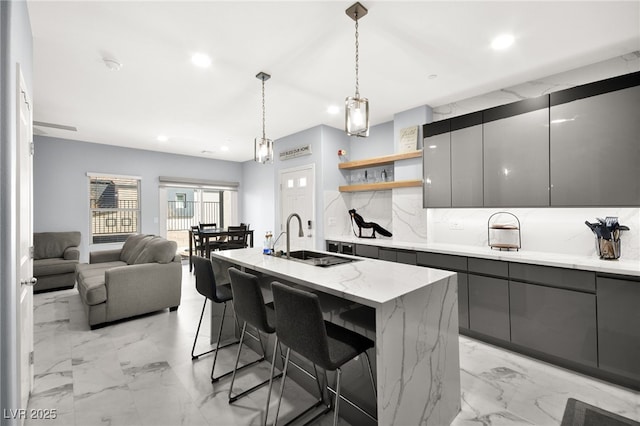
pixel 198 246
pixel 236 239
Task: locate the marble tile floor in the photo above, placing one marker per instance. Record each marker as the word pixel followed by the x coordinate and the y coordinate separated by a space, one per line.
pixel 139 372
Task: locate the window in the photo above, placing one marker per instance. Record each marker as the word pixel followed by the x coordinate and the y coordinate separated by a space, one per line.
pixel 181 200
pixel 115 208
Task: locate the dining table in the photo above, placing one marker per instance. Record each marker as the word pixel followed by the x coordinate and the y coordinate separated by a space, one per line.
pixel 209 235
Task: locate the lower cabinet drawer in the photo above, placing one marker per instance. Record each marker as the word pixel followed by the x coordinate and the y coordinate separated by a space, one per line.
pixel 489 306
pixel 389 255
pixel 554 321
pixel 367 251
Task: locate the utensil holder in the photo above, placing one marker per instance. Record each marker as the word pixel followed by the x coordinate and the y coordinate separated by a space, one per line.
pixel 608 249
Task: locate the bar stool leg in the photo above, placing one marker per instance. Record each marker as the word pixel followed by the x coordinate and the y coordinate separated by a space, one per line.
pixel 235 367
pixel 337 403
pixel 204 305
pixel 215 356
pixel 273 367
pixel 284 378
pixel 373 382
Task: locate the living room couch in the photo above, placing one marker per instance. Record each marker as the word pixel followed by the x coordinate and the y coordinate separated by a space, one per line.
pixel 144 276
pixel 55 256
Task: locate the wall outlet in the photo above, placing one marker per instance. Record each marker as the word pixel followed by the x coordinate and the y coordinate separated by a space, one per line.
pixel 456 226
pixel 332 221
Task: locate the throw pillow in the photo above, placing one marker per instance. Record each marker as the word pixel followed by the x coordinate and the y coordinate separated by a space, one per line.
pixel 158 250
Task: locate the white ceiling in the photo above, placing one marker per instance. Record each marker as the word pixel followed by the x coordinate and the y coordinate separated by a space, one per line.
pixel 307 47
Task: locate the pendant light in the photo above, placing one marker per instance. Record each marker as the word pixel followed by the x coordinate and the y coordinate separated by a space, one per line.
pixel 356 108
pixel 263 152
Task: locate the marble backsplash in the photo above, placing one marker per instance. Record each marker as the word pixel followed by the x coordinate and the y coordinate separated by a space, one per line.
pixel 549 230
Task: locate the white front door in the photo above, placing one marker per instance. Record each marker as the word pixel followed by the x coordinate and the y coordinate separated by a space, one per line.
pixel 24 240
pixel 297 190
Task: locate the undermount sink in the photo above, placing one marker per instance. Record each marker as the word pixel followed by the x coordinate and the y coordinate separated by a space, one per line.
pixel 319 259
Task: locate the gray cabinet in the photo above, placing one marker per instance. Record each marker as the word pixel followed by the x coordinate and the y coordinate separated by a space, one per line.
pixel 367 251
pixel 554 321
pixel 436 156
pixel 442 261
pixel 463 300
pixel 408 257
pixel 489 306
pixel 572 279
pixel 466 165
pixel 387 254
pixel 619 326
pixel 516 155
pixel 595 150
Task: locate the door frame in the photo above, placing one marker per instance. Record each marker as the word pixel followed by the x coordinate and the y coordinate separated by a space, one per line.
pixel 314 221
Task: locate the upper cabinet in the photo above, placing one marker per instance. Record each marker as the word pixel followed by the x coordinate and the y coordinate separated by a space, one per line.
pixel 516 154
pixel 595 150
pixel 436 166
pixel 575 147
pixel 466 161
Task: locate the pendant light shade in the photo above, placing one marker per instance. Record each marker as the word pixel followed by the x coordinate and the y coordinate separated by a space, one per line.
pixel 356 108
pixel 263 147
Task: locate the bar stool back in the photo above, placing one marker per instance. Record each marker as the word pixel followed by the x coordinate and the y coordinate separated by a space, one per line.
pixel 301 327
pixel 218 293
pixel 251 310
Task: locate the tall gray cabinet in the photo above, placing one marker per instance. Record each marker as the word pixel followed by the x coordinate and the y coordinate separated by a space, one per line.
pixel 595 147
pixel 516 154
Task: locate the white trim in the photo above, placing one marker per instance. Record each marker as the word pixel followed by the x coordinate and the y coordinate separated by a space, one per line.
pixel 113 175
pixel 169 181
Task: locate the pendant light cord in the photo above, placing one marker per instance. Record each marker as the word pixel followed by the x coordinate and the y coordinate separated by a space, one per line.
pixel 357 57
pixel 264 115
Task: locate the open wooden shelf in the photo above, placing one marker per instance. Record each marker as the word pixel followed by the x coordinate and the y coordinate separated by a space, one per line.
pixel 380 186
pixel 379 161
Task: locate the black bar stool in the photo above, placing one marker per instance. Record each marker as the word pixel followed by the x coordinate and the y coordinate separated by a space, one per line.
pixel 217 293
pixel 301 327
pixel 250 308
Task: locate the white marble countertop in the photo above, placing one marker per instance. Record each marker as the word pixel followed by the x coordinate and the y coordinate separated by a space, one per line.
pixel 366 281
pixel 587 263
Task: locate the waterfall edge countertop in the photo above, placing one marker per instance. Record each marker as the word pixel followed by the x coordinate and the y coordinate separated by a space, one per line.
pixel 560 260
pixel 366 281
pixel 416 328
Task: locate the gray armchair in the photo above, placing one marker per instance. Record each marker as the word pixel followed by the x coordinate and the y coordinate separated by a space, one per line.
pixel 55 257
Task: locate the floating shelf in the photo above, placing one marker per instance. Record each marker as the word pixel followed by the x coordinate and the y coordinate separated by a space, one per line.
pixel 380 186
pixel 379 161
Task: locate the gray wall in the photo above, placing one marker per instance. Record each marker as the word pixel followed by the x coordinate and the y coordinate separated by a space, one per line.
pixel 261 194
pixel 61 189
pixel 16 47
pixel 257 198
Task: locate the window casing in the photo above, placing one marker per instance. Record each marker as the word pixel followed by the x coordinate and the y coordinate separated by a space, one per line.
pixel 114 204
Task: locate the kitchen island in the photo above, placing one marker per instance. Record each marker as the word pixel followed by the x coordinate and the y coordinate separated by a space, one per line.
pixel 416 328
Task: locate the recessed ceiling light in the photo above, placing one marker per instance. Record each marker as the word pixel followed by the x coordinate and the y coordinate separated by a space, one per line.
pixel 224 148
pixel 201 60
pixel 502 42
pixel 162 138
pixel 333 109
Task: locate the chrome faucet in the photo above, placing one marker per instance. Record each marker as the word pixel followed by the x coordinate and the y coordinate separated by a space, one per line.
pixel 300 234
